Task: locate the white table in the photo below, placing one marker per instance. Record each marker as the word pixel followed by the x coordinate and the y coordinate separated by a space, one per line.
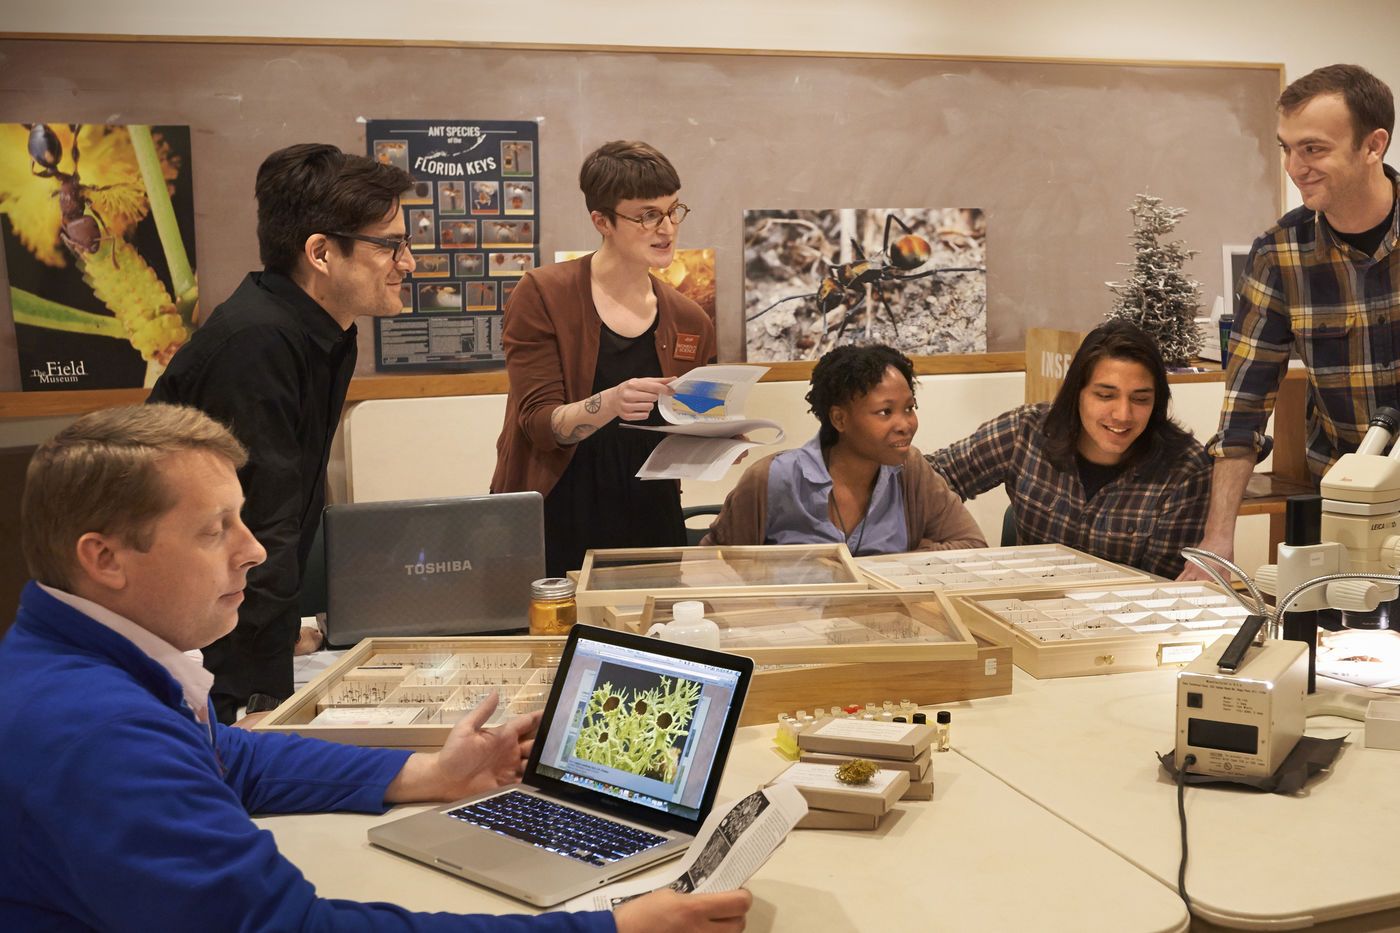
pixel 1083 748
pixel 979 856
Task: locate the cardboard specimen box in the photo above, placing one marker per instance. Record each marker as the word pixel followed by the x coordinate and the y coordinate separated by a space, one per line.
pixel 918 767
pixel 821 789
pixel 866 738
pixel 837 819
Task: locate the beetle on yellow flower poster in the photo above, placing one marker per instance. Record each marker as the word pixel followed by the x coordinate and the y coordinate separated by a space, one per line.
pixel 98 225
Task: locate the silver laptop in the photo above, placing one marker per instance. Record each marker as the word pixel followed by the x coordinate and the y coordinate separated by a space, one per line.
pixel 623 772
pixel 422 567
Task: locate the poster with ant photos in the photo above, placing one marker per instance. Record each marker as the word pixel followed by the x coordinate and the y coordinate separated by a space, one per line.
pixel 474 218
pixel 98 225
pixel 913 278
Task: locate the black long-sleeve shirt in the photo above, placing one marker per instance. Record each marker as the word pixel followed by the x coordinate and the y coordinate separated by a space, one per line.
pixel 274 366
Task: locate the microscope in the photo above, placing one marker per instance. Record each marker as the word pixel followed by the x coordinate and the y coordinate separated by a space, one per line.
pixel 1241 706
pixel 1354 527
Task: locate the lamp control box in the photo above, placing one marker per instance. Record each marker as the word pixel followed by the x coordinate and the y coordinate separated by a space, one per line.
pixel 1244 722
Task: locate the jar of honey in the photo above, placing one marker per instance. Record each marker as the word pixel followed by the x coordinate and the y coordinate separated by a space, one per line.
pixel 552 607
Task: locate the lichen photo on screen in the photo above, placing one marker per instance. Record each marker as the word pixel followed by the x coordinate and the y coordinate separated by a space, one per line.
pixel 639 731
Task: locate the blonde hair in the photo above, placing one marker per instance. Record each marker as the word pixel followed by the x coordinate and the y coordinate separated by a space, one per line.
pixel 102 474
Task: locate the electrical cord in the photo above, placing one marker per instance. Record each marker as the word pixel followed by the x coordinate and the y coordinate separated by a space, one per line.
pixel 1186 762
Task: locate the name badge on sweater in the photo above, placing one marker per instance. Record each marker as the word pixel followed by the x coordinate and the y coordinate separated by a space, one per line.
pixel 687 346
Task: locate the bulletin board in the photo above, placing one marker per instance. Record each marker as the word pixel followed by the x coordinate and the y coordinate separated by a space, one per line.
pixel 1052 151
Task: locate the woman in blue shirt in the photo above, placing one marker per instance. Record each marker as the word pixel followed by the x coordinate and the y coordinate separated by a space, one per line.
pixel 860 480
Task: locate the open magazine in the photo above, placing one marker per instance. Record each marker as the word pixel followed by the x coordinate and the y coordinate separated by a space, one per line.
pixel 704 418
pixel 731 845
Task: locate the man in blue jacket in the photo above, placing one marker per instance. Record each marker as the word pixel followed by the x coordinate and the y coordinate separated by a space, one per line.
pixel 124 804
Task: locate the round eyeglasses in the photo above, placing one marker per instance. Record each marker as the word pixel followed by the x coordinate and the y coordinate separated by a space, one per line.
pixel 399 244
pixel 651 218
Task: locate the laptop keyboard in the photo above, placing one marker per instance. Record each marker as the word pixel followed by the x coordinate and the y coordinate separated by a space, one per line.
pixel 557 828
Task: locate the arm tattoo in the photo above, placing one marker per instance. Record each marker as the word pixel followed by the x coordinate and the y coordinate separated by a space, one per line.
pixel 579 432
pixel 594 404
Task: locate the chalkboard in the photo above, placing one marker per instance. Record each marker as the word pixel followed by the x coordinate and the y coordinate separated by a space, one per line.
pixel 1052 151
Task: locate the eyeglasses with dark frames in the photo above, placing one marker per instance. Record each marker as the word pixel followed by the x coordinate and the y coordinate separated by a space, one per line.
pixel 399 244
pixel 651 218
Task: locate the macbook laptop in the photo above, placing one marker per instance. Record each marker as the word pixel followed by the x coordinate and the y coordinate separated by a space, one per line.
pixel 426 567
pixel 623 773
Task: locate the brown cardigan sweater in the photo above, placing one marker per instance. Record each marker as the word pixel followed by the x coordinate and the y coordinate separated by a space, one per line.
pixel 551 343
pixel 936 518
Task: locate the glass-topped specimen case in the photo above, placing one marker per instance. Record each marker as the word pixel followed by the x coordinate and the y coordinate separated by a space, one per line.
pixel 830 627
pixel 1105 630
pixel 409 692
pixel 1028 569
pixel 618 581
pixel 816 651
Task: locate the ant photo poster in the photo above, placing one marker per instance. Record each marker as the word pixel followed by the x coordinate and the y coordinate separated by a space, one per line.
pixel 98 224
pixel 460 231
pixel 913 278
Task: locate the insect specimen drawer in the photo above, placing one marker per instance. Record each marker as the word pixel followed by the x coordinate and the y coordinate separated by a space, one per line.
pixel 618 581
pixel 833 649
pixel 1101 631
pixel 1031 569
pixel 409 692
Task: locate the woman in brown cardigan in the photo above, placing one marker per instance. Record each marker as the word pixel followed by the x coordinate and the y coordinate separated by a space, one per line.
pixel 860 480
pixel 592 343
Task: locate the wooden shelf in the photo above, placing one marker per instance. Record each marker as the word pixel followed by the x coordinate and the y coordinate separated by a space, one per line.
pixel 363 388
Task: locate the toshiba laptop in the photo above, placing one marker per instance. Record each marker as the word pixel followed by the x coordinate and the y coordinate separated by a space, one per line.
pixel 623 772
pixel 423 567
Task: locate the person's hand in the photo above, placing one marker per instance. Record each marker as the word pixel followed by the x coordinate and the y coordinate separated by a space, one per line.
pixel 1224 548
pixel 634 398
pixel 665 911
pixel 309 640
pixel 472 759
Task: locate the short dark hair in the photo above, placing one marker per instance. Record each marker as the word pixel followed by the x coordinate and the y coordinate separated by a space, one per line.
pixel 1367 97
pixel 845 374
pixel 625 169
pixel 314 188
pixel 102 473
pixel 1160 443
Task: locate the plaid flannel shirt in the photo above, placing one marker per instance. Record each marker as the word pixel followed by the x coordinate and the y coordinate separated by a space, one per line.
pixel 1339 310
pixel 1132 520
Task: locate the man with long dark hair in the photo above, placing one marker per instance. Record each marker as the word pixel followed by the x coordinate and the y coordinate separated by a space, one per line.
pixel 1103 468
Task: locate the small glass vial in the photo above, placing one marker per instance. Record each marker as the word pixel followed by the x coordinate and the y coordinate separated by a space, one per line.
pixel 552 607
pixel 942 736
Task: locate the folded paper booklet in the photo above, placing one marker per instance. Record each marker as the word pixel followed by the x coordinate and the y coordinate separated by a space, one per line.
pixel 867 738
pixel 733 843
pixel 820 787
pixel 704 419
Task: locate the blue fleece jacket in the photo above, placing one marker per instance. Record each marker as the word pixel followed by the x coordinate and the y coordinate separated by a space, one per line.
pixel 117 812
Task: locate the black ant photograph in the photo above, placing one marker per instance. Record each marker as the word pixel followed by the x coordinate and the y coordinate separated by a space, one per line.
pixel 913 278
pixel 98 226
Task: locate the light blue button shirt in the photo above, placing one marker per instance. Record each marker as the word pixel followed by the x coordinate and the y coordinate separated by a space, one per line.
pixel 799 488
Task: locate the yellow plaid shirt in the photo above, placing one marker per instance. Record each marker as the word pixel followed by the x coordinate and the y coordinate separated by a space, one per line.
pixel 1338 309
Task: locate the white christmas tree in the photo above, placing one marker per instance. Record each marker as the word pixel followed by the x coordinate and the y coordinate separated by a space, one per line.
pixel 1158 297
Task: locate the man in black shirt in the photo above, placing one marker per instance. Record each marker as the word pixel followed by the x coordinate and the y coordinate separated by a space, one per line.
pixel 273 362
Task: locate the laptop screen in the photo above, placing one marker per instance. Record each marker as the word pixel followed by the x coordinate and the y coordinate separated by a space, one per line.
pixel 636 722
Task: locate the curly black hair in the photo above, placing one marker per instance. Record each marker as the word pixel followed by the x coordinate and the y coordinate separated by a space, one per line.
pixel 845 374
